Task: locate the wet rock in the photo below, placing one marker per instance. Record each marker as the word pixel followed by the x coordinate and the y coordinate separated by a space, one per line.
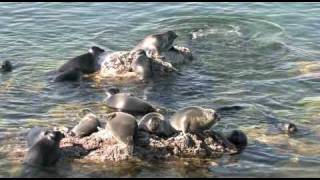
pixel 101 147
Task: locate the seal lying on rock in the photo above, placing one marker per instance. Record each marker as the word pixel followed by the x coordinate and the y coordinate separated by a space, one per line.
pixel 155 44
pixel 123 127
pixel 87 125
pixel 193 119
pixel 155 123
pixel 127 103
pixel 44 147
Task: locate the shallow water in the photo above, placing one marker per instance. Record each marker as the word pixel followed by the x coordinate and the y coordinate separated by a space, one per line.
pixel 263 56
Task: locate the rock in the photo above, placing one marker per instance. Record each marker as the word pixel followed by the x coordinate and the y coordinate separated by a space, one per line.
pixel 101 148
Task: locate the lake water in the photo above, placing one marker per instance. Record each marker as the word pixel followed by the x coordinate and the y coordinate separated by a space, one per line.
pixel 263 56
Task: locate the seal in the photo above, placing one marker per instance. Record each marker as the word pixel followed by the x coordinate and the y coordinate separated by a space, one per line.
pixel 155 44
pixel 69 75
pixel 87 125
pixel 155 123
pixel 141 64
pixel 239 139
pixel 194 119
pixel 125 102
pixel 6 66
pixel 44 147
pixel 34 135
pixel 123 127
pixel 87 63
pixel 287 127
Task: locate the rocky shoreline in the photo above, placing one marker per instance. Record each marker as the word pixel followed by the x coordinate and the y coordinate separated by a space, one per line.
pixel 98 148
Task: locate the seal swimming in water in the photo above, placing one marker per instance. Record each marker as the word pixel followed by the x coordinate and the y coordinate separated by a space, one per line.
pixel 87 125
pixel 238 138
pixel 6 66
pixel 155 44
pixel 44 147
pixel 155 123
pixel 87 63
pixel 123 127
pixel 127 103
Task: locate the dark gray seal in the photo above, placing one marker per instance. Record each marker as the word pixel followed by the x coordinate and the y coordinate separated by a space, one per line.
pixel 127 103
pixel 87 63
pixel 239 139
pixel 6 66
pixel 87 125
pixel 155 44
pixel 44 147
pixel 155 123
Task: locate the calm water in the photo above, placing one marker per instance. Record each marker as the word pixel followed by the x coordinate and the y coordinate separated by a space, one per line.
pixel 263 56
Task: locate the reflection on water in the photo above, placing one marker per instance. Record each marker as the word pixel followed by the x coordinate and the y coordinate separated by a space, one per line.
pixel 263 56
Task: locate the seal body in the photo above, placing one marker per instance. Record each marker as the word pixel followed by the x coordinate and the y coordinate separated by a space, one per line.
pixel 122 126
pixel 35 134
pixel 238 138
pixel 155 123
pixel 6 66
pixel 193 119
pixel 127 103
pixel 155 44
pixel 87 63
pixel 87 125
pixel 69 75
pixel 141 64
pixel 44 150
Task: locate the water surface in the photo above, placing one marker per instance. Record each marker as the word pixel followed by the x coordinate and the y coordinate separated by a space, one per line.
pixel 264 56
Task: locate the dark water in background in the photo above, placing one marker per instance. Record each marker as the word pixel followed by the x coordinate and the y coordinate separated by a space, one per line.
pixel 258 55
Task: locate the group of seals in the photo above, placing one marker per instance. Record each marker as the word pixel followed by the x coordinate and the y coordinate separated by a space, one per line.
pixel 193 119
pixel 145 59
